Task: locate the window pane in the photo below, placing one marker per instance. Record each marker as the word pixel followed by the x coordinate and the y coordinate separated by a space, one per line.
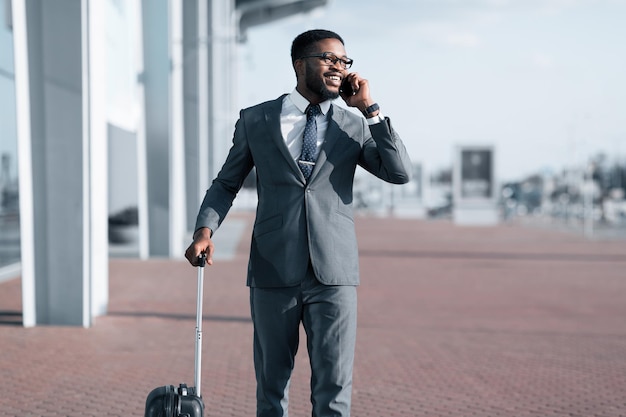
pixel 9 207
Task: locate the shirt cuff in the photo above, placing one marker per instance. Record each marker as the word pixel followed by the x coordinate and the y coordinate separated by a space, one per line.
pixel 376 119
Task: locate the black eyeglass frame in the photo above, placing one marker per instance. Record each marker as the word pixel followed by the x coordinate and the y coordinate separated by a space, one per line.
pixel 346 63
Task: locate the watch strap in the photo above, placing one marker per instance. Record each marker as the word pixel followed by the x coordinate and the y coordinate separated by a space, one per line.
pixel 371 109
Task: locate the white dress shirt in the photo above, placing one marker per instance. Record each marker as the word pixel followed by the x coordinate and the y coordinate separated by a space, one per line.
pixel 293 120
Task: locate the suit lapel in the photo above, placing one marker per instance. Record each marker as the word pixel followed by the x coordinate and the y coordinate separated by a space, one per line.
pixel 333 131
pixel 272 119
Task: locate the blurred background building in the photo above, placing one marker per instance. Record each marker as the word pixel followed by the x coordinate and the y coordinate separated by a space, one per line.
pixel 116 114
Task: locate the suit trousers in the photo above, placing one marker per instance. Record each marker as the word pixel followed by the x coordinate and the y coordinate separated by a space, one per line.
pixel 329 317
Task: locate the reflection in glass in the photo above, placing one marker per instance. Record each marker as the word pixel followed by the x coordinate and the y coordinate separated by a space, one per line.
pixel 9 195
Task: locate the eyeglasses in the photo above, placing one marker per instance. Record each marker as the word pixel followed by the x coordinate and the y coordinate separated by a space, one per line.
pixel 332 59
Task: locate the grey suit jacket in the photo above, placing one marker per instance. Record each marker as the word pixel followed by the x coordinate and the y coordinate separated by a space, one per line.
pixel 295 220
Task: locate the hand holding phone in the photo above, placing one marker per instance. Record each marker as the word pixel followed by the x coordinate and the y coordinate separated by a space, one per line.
pixel 346 87
pixel 355 91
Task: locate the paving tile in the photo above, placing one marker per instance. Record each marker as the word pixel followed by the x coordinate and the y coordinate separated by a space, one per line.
pixel 453 321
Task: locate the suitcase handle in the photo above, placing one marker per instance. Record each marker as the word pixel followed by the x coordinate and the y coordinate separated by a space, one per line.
pixel 198 361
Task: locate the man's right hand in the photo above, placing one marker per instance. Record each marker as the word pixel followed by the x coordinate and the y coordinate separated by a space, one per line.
pixel 202 243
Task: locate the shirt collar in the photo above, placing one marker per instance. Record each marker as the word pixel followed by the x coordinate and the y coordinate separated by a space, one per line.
pixel 302 103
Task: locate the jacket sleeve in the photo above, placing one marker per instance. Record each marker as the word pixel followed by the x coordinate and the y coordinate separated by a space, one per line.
pixel 219 197
pixel 383 153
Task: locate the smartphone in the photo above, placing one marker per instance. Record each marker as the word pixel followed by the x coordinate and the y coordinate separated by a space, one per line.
pixel 346 87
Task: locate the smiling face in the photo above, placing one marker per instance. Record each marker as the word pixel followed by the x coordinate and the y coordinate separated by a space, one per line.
pixel 318 81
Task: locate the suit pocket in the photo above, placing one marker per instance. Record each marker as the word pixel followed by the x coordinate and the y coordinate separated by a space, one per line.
pixel 345 210
pixel 268 225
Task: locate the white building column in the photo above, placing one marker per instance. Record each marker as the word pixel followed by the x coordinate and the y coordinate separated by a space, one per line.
pixel 177 200
pixel 62 166
pixel 222 38
pixel 195 80
pixel 164 126
pixel 95 133
pixel 24 163
pixel 210 62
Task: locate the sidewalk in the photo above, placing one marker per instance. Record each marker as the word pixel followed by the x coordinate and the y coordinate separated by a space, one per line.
pixel 453 321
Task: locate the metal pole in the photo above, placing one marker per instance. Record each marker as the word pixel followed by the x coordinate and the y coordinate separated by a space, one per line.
pixel 588 202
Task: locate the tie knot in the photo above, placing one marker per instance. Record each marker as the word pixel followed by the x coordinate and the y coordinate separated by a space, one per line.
pixel 313 110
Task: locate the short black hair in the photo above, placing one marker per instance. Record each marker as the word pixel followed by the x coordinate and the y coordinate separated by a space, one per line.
pixel 302 44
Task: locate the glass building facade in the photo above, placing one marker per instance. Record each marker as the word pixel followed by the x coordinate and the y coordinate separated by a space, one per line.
pixel 109 108
pixel 9 196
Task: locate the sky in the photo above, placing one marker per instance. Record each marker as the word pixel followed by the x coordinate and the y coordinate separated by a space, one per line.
pixel 542 81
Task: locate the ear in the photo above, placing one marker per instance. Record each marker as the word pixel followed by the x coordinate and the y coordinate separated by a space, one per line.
pixel 298 66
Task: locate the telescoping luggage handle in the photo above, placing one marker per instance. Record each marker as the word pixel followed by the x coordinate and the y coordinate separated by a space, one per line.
pixel 197 373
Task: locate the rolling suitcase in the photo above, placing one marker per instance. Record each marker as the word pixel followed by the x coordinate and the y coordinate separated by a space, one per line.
pixel 182 401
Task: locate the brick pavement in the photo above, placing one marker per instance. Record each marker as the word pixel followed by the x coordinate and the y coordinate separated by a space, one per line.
pixel 453 321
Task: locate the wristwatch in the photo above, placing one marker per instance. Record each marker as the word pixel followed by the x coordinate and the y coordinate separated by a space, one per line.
pixel 371 109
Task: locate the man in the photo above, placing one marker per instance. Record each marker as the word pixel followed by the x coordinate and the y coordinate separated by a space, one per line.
pixel 303 265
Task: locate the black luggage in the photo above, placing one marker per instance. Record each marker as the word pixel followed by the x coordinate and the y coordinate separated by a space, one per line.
pixel 181 401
